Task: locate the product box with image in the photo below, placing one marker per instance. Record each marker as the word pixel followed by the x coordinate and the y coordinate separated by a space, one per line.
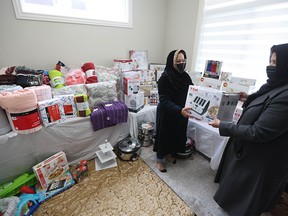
pixel 207 103
pixel 131 85
pixel 139 58
pixel 225 76
pixel 231 87
pixel 123 64
pixel 243 81
pixel 212 69
pixel 135 102
pixel 210 83
pixel 154 97
pixel 51 168
pixel 195 76
pixel 147 77
pixel 57 186
pixel 146 89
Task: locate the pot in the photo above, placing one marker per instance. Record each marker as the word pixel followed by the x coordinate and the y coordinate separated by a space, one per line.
pixel 129 149
pixel 146 128
pixel 144 137
pixel 147 143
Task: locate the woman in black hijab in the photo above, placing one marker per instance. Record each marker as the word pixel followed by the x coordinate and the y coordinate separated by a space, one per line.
pixel 172 117
pixel 253 171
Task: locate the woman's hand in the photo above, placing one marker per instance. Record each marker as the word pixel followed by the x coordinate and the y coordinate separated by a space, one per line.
pixel 215 122
pixel 186 112
pixel 243 96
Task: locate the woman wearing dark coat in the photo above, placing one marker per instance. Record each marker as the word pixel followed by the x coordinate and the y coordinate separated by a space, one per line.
pixel 172 117
pixel 253 171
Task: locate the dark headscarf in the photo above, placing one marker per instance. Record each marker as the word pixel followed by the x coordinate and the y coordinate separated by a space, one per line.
pixel 281 76
pixel 179 80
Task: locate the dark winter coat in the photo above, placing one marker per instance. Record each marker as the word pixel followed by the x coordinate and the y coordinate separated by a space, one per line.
pixel 253 171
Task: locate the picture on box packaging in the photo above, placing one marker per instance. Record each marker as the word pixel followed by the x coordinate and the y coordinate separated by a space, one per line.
pixel 200 105
pixel 56 185
pixel 135 88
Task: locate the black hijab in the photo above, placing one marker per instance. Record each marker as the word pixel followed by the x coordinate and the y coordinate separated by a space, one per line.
pixel 281 76
pixel 180 81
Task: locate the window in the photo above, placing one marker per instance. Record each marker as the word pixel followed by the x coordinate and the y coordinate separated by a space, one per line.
pixel 95 12
pixel 240 33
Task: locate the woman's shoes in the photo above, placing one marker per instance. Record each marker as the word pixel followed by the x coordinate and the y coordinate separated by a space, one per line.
pixel 170 159
pixel 161 167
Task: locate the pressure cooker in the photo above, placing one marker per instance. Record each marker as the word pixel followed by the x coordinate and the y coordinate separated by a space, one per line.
pixel 129 149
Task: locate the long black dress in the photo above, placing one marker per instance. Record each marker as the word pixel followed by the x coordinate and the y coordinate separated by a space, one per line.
pixel 171 126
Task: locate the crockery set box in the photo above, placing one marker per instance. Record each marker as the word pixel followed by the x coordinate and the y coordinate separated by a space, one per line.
pixel 207 102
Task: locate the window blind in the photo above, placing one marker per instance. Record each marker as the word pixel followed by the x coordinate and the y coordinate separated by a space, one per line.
pixel 240 33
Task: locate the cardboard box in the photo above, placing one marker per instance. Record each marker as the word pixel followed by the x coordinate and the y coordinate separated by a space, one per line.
pixel 131 85
pixel 147 77
pixel 123 64
pixel 154 97
pixel 210 83
pixel 207 102
pixel 146 89
pixel 135 102
pixel 231 87
pixel 212 69
pixel 225 76
pixel 243 81
pixel 51 168
pixel 195 76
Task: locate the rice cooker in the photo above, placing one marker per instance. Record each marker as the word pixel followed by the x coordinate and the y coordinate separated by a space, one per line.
pixel 129 149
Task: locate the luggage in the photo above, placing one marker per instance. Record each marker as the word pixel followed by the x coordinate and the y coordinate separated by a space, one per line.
pixel 108 114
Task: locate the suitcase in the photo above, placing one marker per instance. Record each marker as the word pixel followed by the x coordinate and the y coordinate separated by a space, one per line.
pixel 108 114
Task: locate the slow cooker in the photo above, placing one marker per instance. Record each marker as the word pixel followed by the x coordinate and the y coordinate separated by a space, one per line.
pixel 129 149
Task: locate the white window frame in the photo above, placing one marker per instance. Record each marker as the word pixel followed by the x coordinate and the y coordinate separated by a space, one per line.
pixel 20 14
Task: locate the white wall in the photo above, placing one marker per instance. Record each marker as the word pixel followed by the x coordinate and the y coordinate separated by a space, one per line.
pixel 181 27
pixel 40 45
pixel 158 26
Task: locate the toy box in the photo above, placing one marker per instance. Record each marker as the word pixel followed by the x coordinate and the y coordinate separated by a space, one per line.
pixel 57 186
pixel 79 170
pixel 208 102
pixel 51 168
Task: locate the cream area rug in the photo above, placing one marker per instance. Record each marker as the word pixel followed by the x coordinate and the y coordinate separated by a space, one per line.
pixel 131 188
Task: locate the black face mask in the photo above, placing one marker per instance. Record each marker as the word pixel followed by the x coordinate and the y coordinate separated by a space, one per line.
pixel 181 67
pixel 271 72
